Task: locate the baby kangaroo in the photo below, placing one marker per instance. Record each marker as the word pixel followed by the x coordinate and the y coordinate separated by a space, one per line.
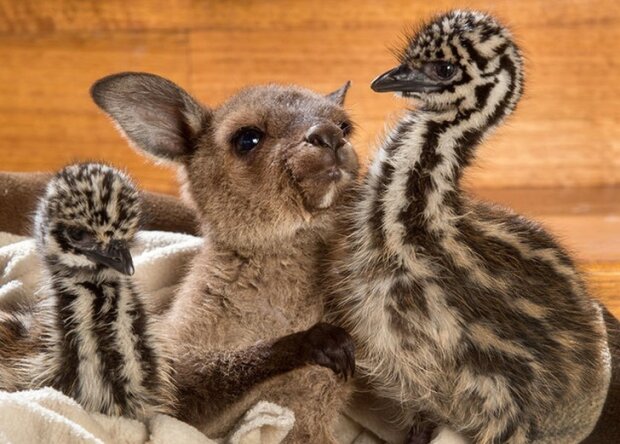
pixel 463 311
pixel 89 335
pixel 264 172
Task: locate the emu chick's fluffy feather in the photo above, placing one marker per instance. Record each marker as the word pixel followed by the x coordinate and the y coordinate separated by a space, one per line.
pixel 89 335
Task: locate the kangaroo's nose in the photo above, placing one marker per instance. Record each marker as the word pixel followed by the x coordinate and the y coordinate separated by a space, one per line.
pixel 326 135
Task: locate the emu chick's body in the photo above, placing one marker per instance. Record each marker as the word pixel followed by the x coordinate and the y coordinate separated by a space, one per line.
pixel 463 312
pixel 263 171
pixel 89 335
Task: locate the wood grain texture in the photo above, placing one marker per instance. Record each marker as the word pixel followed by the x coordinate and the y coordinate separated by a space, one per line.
pixel 566 132
pixel 604 282
pixel 47 118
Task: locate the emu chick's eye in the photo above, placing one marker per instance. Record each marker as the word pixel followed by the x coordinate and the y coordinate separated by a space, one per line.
pixel 444 70
pixel 76 234
pixel 246 139
pixel 346 127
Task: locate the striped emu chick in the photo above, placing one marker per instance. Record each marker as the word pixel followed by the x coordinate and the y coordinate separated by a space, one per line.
pixel 98 346
pixel 463 312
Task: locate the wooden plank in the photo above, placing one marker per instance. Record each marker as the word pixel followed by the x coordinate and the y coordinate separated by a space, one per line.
pixel 47 118
pixel 545 144
pixel 604 282
pixel 565 133
pixel 536 202
pixel 52 16
pixel 326 15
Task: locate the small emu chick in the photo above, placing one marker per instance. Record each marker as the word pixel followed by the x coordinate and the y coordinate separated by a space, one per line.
pixel 98 345
pixel 462 311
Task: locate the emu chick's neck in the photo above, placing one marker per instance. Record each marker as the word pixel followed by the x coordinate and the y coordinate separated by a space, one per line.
pixel 413 185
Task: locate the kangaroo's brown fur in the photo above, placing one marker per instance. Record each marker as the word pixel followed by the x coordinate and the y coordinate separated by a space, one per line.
pixel 265 215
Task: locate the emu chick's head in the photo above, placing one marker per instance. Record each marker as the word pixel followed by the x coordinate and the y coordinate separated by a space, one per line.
pixel 88 218
pixel 454 61
pixel 269 163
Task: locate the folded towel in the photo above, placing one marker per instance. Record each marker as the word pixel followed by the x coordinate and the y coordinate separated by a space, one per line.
pixel 46 415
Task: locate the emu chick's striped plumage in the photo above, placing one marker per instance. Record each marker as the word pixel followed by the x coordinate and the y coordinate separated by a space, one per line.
pixel 462 311
pixel 97 344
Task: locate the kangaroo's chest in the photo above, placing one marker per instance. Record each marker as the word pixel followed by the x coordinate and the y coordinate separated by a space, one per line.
pixel 235 305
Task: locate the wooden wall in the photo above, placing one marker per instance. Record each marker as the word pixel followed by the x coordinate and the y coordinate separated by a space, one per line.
pixel 566 132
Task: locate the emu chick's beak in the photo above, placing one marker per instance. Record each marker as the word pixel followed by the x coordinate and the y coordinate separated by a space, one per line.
pixel 404 79
pixel 116 256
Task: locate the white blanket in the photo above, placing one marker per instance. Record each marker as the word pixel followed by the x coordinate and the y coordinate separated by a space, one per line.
pixel 48 416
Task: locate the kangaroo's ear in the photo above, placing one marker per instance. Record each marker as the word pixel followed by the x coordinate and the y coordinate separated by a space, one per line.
pixel 340 94
pixel 155 115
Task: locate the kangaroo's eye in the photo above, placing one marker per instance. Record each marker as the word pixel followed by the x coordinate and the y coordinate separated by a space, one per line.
pixel 246 139
pixel 443 70
pixel 346 128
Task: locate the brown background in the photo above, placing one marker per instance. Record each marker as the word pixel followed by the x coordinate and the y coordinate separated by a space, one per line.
pixel 558 158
